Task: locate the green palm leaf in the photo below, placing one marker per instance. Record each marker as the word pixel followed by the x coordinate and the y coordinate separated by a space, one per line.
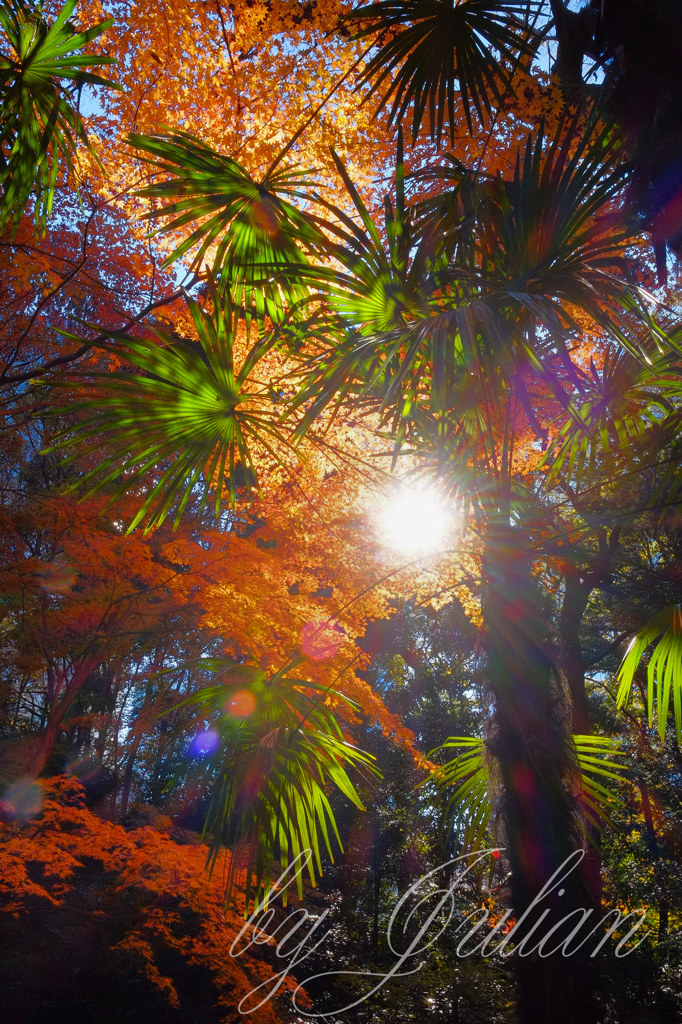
pixel 38 124
pixel 486 298
pixel 192 416
pixel 626 407
pixel 270 775
pixel 593 754
pixel 430 50
pixel 257 230
pixel 377 293
pixel 664 671
pixel 470 807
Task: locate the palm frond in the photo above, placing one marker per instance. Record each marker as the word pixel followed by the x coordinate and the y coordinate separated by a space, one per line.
pixel 489 288
pixel 432 50
pixel 278 755
pixel 38 124
pixel 257 231
pixel 664 671
pixel 192 417
pixel 627 406
pixel 469 807
pixel 593 755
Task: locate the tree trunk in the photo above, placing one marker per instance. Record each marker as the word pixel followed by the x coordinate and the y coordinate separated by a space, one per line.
pixel 529 741
pixel 376 902
pixel 137 732
pixel 576 597
pixel 57 714
pixel 575 32
pixel 128 776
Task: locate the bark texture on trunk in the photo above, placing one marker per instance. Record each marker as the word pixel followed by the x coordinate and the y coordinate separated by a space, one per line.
pixel 530 744
pixel 576 597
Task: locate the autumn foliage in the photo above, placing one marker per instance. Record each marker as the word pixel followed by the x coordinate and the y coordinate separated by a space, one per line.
pixel 295 261
pixel 151 907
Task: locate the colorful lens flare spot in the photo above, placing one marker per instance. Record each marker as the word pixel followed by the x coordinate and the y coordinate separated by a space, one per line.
pixel 57 578
pixel 204 743
pixel 241 704
pixel 85 767
pixel 321 640
pixel 23 799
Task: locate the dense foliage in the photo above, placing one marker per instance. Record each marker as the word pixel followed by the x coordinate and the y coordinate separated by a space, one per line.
pixel 289 270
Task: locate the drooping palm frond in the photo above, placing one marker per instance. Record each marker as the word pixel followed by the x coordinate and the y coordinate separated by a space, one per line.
pixel 432 50
pixel 664 671
pixel 280 750
pixel 593 755
pixel 469 807
pixel 38 123
pixel 193 416
pixel 627 406
pixel 256 228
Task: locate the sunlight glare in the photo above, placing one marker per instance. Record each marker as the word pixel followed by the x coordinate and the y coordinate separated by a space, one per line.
pixel 414 521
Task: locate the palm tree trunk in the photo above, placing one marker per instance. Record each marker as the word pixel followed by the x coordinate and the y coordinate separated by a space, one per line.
pixel 529 742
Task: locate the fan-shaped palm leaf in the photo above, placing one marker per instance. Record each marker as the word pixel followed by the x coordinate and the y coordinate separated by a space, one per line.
pixel 492 292
pixel 469 807
pixel 593 755
pixel 280 749
pixel 377 297
pixel 38 124
pixel 664 671
pixel 193 416
pixel 430 50
pixel 626 407
pixel 257 230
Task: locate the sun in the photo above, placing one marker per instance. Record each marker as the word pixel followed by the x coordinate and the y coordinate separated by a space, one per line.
pixel 414 521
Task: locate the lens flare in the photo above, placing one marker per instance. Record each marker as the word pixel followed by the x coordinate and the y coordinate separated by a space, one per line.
pixel 414 521
pixel 84 766
pixel 241 704
pixel 56 579
pixel 23 799
pixel 321 640
pixel 204 743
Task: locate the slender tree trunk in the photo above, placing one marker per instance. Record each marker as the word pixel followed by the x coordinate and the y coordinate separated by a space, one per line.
pixel 530 744
pixel 63 699
pixel 128 776
pixel 576 597
pixel 57 714
pixel 578 589
pixel 376 901
pixel 138 732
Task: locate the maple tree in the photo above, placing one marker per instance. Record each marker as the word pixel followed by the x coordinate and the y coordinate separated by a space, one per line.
pixel 174 906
